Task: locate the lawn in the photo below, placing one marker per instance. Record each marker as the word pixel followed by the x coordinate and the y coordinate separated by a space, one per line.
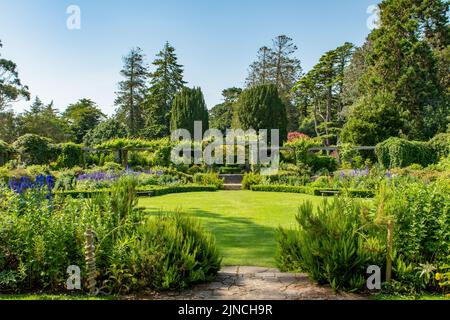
pixel 243 222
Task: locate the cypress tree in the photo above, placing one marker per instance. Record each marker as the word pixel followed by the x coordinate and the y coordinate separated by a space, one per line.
pixel 261 107
pixel 189 106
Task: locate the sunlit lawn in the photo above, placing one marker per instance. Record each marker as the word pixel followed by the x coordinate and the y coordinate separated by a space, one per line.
pixel 243 222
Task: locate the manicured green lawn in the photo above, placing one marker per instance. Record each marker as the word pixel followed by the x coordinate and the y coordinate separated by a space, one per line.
pixel 243 222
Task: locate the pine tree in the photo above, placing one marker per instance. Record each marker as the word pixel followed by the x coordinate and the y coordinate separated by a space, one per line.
pixel 189 106
pixel 166 82
pixel 277 65
pixel 130 96
pixel 221 115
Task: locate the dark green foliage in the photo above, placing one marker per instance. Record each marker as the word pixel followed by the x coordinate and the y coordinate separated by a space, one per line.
pixel 353 193
pixel 397 152
pixel 320 93
pixel 130 97
pixel 182 253
pixel 70 155
pixel 260 107
pixel 5 152
pixel 334 244
pixel 166 82
pixel 82 117
pixel 34 149
pixel 189 106
pixel 441 145
pixel 105 131
pixel 323 163
pixel 221 116
pixel 403 75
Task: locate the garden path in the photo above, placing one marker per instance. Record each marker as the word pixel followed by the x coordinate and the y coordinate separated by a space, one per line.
pixel 256 283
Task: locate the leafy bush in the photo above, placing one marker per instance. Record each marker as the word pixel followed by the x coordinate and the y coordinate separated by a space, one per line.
pixel 318 163
pixel 334 244
pixel 397 152
pixel 421 217
pixel 354 193
pixel 208 179
pixel 181 252
pixel 5 152
pixel 41 235
pixel 34 149
pixel 441 145
pixel 70 155
pixel 250 179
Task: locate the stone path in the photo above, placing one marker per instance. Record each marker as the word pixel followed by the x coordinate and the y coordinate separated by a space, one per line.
pixel 254 283
pixel 232 181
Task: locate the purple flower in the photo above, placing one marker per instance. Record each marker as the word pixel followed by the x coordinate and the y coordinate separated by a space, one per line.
pixel 388 174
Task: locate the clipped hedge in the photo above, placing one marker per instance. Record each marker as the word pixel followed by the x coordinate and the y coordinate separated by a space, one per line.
pixel 70 155
pixel 148 191
pixel 354 193
pixel 400 153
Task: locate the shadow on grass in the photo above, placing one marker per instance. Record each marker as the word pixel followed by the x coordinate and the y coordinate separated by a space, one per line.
pixel 240 240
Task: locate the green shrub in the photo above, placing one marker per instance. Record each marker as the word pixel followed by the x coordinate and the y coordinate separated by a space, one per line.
pixel 208 179
pixel 5 152
pixel 182 253
pixel 250 179
pixel 70 155
pixel 397 152
pixel 230 170
pixel 40 236
pixel 34 149
pixel 318 163
pixel 333 244
pixel 421 215
pixel 353 193
pixel 441 145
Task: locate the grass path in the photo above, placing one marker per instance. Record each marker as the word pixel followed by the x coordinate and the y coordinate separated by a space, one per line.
pixel 243 222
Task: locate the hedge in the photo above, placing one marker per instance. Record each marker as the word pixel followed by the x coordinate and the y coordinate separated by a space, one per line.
pixel 400 153
pixel 355 193
pixel 151 191
pixel 441 145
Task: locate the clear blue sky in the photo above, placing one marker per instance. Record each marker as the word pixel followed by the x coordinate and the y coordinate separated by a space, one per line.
pixel 215 40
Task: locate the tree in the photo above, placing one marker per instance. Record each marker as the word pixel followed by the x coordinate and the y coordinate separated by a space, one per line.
pixel 277 65
pixel 8 126
pixel 321 91
pixel 105 131
pixel 260 107
pixel 403 62
pixel 11 88
pixel 189 106
pixel 166 82
pixel 82 116
pixel 221 116
pixel 43 120
pixel 130 96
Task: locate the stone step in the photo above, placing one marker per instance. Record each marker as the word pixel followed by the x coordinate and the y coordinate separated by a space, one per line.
pixel 232 186
pixel 232 178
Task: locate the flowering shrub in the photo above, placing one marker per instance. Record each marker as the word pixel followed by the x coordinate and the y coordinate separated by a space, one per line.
pixel 294 136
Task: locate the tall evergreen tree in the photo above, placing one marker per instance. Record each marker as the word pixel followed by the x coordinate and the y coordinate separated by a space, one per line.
pixel 189 106
pixel 277 65
pixel 261 107
pixel 403 78
pixel 132 89
pixel 166 82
